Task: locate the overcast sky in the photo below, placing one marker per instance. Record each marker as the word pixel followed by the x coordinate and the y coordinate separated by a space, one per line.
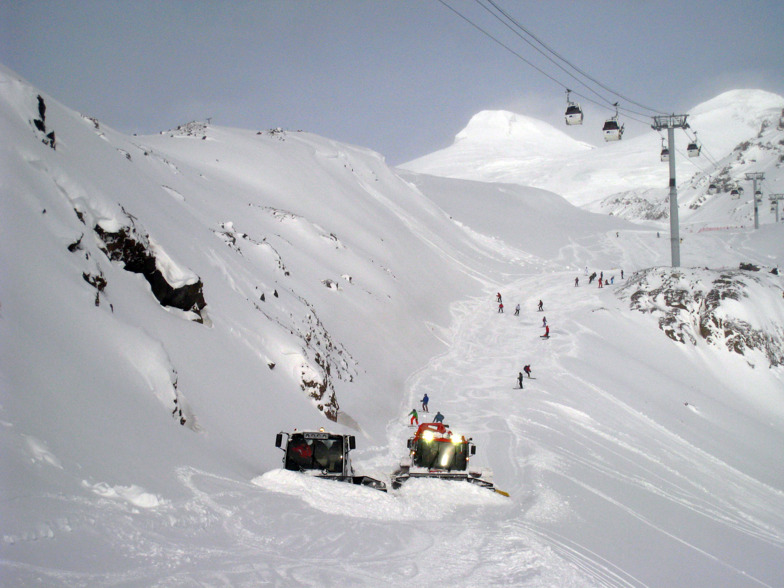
pixel 399 76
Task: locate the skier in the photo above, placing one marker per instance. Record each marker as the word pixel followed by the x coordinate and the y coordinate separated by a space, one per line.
pixel 501 307
pixel 612 280
pixel 517 309
pixel 439 418
pixel 544 321
pixel 527 370
pixel 520 380
pixel 498 297
pixel 576 282
pixel 591 278
pixel 541 306
pixel 621 274
pixel 414 417
pixel 425 400
pixel 600 282
pixel 546 333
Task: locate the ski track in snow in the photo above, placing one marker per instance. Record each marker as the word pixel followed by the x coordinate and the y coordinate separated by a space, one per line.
pixel 606 488
pixel 473 385
pixel 284 529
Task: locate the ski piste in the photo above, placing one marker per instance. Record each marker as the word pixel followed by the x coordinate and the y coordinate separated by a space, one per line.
pixel 614 479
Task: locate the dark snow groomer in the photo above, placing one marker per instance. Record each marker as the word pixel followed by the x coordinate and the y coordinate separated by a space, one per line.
pixel 323 455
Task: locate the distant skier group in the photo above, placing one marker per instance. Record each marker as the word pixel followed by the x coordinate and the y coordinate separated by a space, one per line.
pixel 539 307
pixel 602 281
pixel 526 371
pixel 439 418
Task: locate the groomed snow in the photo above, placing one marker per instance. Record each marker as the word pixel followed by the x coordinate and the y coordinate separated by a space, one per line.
pixel 630 460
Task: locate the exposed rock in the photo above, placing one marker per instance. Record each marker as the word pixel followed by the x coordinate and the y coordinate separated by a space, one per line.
pixel 732 309
pixel 134 252
pixel 40 123
pixel 322 391
pixel 631 205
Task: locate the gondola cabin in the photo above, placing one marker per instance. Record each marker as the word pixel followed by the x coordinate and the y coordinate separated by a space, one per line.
pixel 665 153
pixel 612 130
pixel 735 193
pixel 712 189
pixel 574 114
pixel 694 149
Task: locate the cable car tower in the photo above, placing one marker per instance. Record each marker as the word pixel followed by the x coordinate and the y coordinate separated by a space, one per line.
pixel 672 122
pixel 573 114
pixel 774 203
pixel 754 177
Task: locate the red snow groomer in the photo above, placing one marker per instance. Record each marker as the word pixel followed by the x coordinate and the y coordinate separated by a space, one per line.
pixel 435 452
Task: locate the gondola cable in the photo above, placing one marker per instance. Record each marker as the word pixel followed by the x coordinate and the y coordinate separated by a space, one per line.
pixel 541 71
pixel 615 106
pixel 566 61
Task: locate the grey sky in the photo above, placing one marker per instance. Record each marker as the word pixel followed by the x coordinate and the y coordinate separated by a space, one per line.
pixel 401 77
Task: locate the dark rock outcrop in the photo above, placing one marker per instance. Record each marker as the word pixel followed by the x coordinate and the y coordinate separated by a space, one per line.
pixel 122 246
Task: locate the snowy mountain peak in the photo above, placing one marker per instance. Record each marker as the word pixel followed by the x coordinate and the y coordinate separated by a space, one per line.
pixel 735 116
pixel 496 146
pixel 502 126
pixel 624 178
pixel 742 101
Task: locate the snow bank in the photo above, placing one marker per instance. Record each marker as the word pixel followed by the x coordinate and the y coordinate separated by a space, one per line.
pixel 423 499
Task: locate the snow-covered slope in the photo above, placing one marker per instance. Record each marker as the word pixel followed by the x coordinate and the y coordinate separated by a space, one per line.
pixel 168 303
pixel 304 251
pixel 625 177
